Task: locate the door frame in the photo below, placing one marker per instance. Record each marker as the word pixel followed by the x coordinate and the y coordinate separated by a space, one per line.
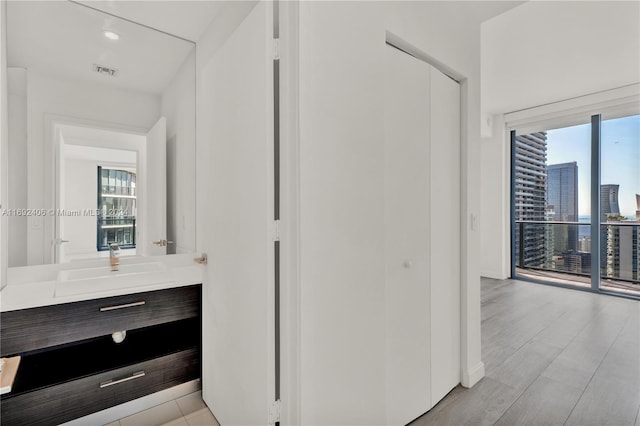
pixel 290 314
pixel 52 168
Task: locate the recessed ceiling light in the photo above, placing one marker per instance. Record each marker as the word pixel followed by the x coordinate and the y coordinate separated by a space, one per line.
pixel 110 35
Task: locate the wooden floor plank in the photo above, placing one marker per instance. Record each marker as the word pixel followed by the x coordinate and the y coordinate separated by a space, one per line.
pixel 552 356
pixel 483 404
pixel 622 362
pixel 524 367
pixel 545 402
pixel 606 402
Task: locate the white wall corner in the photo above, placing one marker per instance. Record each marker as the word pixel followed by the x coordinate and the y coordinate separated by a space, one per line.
pixel 472 376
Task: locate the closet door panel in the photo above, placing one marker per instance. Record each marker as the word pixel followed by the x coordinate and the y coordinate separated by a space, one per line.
pixel 406 204
pixel 445 234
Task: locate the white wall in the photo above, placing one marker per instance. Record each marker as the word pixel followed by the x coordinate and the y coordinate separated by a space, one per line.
pixel 178 106
pixel 17 151
pixel 537 53
pixel 495 202
pixel 341 157
pixel 48 95
pixel 4 189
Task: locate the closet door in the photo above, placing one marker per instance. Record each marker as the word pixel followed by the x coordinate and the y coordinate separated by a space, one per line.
pixel 445 234
pixel 407 236
pixel 422 235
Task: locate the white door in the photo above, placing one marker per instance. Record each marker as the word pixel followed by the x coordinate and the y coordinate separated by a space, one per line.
pixel 445 235
pixel 407 233
pixel 154 192
pixel 235 96
pixel 422 235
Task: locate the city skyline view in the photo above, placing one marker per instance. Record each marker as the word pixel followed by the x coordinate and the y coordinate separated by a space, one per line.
pixel 553 185
pixel 620 153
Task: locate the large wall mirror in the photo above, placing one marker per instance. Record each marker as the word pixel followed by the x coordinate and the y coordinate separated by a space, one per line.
pixel 101 119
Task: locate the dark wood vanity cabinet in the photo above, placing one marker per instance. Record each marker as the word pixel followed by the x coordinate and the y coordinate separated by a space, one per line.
pixel 70 374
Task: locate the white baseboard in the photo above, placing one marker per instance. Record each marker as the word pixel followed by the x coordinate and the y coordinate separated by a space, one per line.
pixel 473 376
pixel 496 275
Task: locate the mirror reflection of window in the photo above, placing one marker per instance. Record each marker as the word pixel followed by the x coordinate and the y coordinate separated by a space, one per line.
pixel 80 107
pixel 116 221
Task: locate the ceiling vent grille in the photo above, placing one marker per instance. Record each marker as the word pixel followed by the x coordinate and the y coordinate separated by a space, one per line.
pixel 101 69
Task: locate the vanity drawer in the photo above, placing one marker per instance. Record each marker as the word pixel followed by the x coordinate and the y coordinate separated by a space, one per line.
pixel 66 401
pixel 37 328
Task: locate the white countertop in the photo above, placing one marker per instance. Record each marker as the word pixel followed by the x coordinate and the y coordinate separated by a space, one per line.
pixel 35 286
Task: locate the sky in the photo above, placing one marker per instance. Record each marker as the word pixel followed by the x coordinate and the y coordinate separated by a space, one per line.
pixel 620 159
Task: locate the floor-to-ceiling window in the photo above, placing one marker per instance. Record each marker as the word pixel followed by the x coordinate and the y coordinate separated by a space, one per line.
pixel 576 203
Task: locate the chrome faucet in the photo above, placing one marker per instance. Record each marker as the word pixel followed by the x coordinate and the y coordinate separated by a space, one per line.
pixel 114 256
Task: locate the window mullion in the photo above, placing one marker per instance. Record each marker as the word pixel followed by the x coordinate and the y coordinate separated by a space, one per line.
pixel 596 121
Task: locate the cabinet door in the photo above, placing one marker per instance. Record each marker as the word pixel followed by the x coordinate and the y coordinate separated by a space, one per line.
pixel 76 398
pixel 407 248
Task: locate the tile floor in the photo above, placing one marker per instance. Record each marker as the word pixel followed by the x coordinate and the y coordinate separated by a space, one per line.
pixel 552 356
pixel 189 410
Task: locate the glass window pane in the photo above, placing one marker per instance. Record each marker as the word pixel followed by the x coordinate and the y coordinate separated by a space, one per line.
pixel 620 205
pixel 552 202
pixel 112 181
pixel 119 224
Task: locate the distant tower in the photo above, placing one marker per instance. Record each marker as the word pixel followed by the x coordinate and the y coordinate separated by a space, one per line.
pixel 609 201
pixel 530 196
pixel 562 193
pixel 618 243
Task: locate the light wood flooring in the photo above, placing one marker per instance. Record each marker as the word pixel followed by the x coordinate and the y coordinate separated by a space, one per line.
pixel 552 356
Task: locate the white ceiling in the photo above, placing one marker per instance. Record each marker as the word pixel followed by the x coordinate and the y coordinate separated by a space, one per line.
pixel 65 39
pixel 548 51
pixel 186 19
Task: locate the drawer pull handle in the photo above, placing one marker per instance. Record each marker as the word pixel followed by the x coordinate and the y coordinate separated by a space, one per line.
pixel 126 305
pixel 126 379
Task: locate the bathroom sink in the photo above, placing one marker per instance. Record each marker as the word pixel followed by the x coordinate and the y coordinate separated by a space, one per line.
pixel 106 272
pixel 95 280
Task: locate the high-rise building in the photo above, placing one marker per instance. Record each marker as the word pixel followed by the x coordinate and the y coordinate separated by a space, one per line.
pixel 609 206
pixel 638 207
pixel 530 196
pixel 621 244
pixel 609 201
pixel 562 193
pixel 584 245
pixel 549 238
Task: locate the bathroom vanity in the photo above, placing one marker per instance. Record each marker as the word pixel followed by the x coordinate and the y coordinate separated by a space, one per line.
pixel 71 363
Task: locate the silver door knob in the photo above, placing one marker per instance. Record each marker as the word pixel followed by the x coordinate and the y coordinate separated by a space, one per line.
pixel 162 243
pixel 60 241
